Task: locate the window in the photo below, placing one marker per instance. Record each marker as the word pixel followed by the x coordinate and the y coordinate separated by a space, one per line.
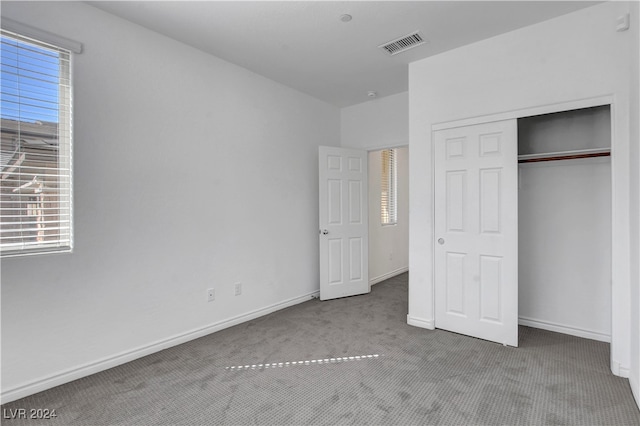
pixel 388 188
pixel 35 180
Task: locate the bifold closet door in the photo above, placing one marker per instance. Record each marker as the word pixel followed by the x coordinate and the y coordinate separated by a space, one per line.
pixel 476 231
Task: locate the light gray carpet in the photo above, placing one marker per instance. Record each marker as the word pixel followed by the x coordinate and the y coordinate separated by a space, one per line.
pixel 405 375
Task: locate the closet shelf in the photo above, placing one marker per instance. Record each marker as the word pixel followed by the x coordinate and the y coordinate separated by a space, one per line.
pixel 564 155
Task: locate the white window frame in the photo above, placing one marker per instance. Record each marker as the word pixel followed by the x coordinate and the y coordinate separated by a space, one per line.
pixel 54 233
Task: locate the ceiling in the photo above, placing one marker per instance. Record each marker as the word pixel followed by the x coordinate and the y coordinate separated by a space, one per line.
pixel 305 45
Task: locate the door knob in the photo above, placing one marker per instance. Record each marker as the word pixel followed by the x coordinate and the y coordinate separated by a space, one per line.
pixel 325 232
pixel 441 241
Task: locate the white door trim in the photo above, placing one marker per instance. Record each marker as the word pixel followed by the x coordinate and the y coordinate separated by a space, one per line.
pixel 526 112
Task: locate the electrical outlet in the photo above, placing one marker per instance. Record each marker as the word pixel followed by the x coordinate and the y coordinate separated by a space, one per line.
pixel 238 289
pixel 211 295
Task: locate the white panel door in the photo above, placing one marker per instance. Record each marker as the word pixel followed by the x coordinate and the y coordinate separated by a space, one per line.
pixel 476 231
pixel 344 251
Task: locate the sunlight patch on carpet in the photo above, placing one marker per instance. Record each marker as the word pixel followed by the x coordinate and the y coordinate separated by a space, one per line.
pixel 319 361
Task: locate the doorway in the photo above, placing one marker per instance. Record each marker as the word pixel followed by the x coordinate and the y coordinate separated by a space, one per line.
pixel 388 182
pixel 345 209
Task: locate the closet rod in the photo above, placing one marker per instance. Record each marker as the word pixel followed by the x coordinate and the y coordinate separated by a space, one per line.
pixel 565 157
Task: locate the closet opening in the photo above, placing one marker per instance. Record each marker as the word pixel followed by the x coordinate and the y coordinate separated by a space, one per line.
pixel 564 222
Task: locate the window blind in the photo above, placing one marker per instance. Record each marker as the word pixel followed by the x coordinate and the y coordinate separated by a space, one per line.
pixel 36 148
pixel 388 188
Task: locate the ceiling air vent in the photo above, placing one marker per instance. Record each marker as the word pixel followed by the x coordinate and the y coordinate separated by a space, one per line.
pixel 403 43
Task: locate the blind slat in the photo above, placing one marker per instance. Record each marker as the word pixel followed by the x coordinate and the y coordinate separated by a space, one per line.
pixel 31 229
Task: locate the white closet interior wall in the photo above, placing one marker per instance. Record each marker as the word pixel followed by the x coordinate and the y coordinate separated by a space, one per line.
pixel 564 212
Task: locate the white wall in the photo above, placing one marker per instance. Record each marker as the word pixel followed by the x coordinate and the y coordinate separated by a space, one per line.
pixel 190 173
pixel 570 58
pixel 634 55
pixel 376 124
pixel 564 246
pixel 389 244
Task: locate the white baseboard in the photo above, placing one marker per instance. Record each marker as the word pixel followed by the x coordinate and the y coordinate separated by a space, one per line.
pixel 85 370
pixel 565 329
pixel 624 372
pixel 388 275
pixel 421 322
pixel 619 370
pixel 635 388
